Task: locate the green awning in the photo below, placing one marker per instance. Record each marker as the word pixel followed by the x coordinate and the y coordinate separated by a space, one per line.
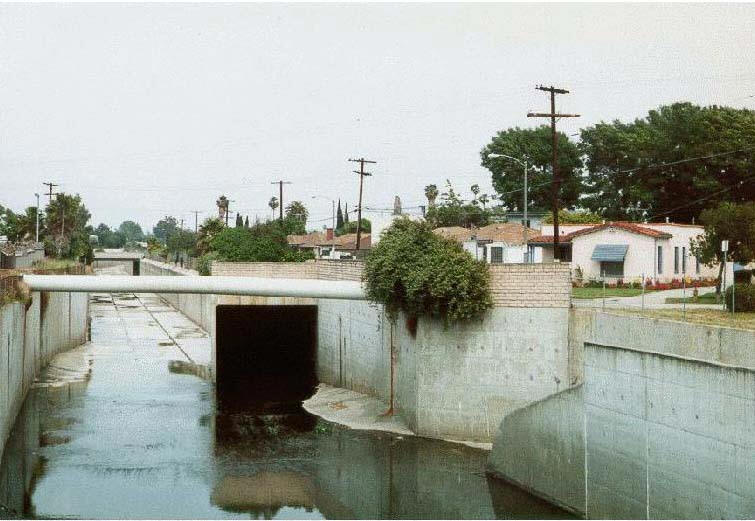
pixel 610 252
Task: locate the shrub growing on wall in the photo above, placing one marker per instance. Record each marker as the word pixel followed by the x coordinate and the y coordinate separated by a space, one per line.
pixel 416 271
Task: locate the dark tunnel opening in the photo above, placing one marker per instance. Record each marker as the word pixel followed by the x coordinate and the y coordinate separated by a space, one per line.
pixel 266 357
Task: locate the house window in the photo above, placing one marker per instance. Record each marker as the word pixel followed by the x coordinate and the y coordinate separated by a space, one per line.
pixel 684 259
pixel 612 269
pixel 676 259
pixel 496 255
pixel 660 260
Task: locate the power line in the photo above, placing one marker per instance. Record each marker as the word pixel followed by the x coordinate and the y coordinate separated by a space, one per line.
pixel 710 156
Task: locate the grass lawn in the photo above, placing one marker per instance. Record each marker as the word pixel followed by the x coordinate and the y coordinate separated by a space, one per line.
pixel 707 298
pixel 610 292
pixel 712 317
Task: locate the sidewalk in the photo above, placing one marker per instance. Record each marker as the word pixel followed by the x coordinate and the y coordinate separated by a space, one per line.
pixel 652 300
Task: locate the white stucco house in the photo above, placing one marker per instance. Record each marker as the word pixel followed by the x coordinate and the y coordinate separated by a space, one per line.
pixel 497 243
pixel 628 251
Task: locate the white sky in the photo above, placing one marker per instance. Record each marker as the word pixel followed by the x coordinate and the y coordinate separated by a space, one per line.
pixel 148 109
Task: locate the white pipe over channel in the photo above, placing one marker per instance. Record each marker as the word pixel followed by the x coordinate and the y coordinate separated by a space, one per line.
pixel 251 286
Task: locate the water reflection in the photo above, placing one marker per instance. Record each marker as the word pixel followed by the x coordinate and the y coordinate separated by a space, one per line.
pixel 269 466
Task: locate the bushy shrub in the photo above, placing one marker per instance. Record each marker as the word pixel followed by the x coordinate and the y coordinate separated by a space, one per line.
pixel 416 271
pixel 744 297
pixel 204 262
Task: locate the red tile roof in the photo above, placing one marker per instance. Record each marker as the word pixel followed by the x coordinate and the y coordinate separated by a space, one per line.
pixel 623 225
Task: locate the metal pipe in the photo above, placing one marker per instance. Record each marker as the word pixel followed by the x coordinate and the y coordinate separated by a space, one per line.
pixel 253 286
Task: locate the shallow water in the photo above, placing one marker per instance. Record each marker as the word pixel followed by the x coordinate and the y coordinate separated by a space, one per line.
pixel 139 440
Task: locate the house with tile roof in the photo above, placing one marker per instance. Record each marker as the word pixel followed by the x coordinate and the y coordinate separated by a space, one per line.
pixel 627 251
pixel 496 243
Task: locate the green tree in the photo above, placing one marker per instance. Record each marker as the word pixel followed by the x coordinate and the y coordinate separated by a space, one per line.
pixel 273 204
pixel 453 211
pixel 10 225
pixel 533 145
pixel 239 221
pixel 67 232
pixel 643 169
pixel 346 213
pixel 575 217
pixel 351 227
pixel 182 241
pixel 246 222
pixel 132 231
pixel 208 230
pixel 339 216
pixel 431 192
pixel 165 228
pixel 261 243
pixel 297 210
pixel 732 222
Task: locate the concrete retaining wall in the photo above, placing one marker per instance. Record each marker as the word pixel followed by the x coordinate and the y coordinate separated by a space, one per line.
pixel 452 382
pixel 29 338
pixel 662 427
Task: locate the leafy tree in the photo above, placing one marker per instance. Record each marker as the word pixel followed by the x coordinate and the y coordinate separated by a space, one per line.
pixel 297 210
pixel 420 273
pixel 351 227
pixel 453 211
pixel 533 145
pixel 208 230
pixel 246 222
pixel 239 221
pixel 431 192
pixel 732 222
pixel 339 216
pixel 132 231
pixel 182 241
pixel 67 230
pixel 346 213
pixel 165 228
pixel 475 188
pixel 642 169
pixel 575 217
pixel 261 243
pixel 10 225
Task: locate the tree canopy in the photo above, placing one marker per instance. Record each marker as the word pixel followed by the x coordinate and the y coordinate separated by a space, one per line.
pixel 165 228
pixel 454 211
pixel 675 162
pixel 131 231
pixel 533 145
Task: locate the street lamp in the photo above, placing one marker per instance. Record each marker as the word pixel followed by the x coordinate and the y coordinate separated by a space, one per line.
pixel 333 201
pixel 526 167
pixel 37 234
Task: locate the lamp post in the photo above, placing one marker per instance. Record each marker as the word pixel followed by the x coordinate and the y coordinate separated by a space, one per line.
pixel 333 201
pixel 37 227
pixel 526 225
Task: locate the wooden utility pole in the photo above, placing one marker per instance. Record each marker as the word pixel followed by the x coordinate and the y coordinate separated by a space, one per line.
pixel 280 196
pixel 361 173
pixel 556 182
pixel 51 185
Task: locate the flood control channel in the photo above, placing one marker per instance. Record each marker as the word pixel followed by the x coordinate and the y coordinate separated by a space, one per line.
pixel 140 438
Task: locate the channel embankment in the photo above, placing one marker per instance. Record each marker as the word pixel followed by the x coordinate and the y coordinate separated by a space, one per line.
pixel 33 329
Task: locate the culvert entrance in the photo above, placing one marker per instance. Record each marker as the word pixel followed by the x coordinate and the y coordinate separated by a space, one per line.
pixel 266 356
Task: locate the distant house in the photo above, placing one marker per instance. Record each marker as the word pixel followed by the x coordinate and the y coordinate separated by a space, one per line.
pixel 628 251
pixel 496 243
pixel 328 246
pixel 20 255
pixel 534 219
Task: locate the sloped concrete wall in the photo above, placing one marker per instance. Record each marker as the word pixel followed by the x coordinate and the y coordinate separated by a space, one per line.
pixel 29 338
pixel 661 428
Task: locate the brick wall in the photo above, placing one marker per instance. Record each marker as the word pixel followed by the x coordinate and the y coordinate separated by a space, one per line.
pixel 531 285
pixel 512 285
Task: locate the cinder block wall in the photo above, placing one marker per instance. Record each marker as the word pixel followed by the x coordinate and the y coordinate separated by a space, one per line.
pixel 449 382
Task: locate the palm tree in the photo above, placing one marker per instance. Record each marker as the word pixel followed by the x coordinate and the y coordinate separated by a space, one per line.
pixel 273 204
pixel 431 192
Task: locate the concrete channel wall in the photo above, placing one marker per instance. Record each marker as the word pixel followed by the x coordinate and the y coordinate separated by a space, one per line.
pixel 30 335
pixel 663 425
pixel 454 382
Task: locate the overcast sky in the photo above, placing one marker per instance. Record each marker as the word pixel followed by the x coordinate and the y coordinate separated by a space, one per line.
pixel 148 110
